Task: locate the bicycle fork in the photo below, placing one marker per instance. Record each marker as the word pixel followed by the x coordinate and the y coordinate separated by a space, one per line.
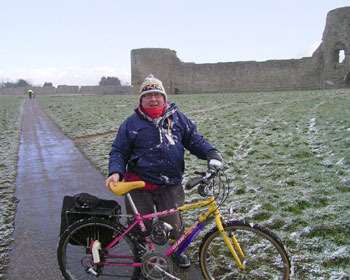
pixel 228 241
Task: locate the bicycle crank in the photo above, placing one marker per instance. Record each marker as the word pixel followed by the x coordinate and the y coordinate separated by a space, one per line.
pixel 157 266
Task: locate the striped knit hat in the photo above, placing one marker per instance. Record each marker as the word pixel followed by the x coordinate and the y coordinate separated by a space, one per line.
pixel 152 84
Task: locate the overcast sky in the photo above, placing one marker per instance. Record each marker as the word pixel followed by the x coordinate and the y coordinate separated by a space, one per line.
pixel 76 42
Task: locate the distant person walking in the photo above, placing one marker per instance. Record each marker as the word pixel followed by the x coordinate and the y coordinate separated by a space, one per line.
pixel 31 94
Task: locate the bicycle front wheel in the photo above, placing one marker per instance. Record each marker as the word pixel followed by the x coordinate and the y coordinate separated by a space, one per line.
pixel 265 255
pixel 75 257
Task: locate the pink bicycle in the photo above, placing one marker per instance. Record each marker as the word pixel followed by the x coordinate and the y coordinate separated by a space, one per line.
pixel 100 246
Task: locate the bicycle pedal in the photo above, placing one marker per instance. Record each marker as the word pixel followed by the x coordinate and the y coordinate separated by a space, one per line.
pixel 92 271
pixel 96 246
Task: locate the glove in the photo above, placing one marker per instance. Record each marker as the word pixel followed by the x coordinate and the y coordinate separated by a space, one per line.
pixel 215 160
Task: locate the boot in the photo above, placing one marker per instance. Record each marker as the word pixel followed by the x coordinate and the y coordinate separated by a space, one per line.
pixel 181 260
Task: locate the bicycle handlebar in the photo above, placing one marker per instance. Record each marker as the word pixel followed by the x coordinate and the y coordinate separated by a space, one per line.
pixel 203 179
pixel 193 183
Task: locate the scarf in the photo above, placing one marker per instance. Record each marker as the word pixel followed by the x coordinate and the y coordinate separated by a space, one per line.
pixel 154 112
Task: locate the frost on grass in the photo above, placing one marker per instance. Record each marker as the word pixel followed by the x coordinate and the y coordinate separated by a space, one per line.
pixel 10 128
pixel 287 155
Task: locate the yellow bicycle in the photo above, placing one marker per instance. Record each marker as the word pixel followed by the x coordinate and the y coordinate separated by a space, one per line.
pixel 236 249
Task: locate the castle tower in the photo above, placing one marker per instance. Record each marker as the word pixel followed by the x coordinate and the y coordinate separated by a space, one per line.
pixel 159 62
pixel 334 51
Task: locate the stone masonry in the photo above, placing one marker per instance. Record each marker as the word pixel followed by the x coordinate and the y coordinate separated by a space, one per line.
pixel 329 67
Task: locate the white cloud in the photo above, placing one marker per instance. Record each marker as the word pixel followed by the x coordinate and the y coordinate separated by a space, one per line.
pixel 66 76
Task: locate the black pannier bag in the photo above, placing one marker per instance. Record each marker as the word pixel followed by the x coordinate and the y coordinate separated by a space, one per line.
pixel 83 206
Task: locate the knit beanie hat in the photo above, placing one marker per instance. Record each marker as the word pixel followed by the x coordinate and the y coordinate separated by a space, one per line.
pixel 152 84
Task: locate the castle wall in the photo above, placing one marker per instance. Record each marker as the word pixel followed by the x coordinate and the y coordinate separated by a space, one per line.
pixel 103 90
pixel 322 70
pixel 245 76
pixel 67 90
pixel 293 74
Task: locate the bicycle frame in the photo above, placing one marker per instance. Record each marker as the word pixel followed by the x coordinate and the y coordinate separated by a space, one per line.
pixel 110 248
pixel 182 243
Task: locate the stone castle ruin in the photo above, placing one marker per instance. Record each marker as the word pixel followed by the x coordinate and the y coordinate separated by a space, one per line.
pixel 329 67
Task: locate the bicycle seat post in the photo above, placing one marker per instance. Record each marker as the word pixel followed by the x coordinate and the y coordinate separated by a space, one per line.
pixel 132 204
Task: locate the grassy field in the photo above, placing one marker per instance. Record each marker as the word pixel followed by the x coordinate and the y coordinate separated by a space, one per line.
pixel 287 156
pixel 10 130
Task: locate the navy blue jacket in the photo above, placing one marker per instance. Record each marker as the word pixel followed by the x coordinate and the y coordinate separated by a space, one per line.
pixel 153 149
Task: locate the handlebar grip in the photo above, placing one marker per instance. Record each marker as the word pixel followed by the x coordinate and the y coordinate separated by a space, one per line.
pixel 193 183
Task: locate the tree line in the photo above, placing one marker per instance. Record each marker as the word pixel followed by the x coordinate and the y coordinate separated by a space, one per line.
pixel 19 83
pixel 105 81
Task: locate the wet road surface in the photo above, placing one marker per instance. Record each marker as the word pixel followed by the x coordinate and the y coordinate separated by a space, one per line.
pixel 49 167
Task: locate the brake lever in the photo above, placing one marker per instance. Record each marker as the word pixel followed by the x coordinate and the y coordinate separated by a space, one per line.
pixel 210 173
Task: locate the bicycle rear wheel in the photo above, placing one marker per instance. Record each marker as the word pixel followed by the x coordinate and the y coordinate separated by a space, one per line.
pixel 75 258
pixel 266 257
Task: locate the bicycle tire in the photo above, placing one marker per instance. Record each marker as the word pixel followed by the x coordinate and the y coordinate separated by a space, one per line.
pixel 74 256
pixel 266 257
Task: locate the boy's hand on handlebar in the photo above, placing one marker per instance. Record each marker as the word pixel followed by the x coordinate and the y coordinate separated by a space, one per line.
pixel 113 178
pixel 215 160
pixel 215 164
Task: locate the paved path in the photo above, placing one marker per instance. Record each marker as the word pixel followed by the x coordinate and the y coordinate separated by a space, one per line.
pixel 49 167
